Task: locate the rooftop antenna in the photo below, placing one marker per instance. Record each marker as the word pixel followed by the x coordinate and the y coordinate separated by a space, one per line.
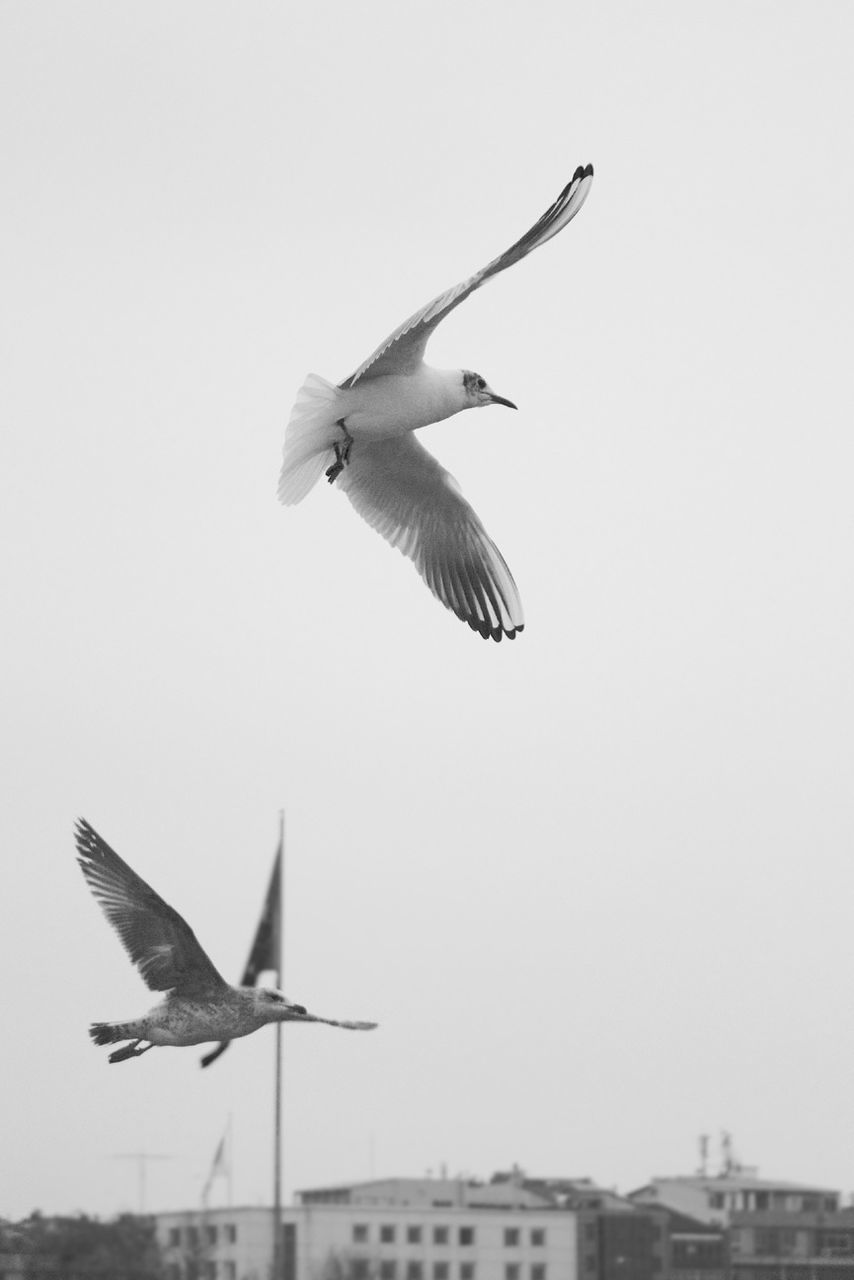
pixel 704 1155
pixel 729 1162
pixel 141 1158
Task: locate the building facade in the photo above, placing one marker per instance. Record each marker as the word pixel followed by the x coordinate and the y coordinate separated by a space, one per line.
pixel 698 1250
pixel 620 1244
pixel 361 1241
pixel 716 1198
pixel 517 1228
pixel 427 1229
pixel 792 1246
pixel 216 1244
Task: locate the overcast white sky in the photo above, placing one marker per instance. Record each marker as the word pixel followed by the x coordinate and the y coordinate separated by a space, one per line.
pixel 596 884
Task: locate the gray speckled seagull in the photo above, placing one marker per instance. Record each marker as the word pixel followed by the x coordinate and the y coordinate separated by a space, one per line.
pixel 199 1004
pixel 361 434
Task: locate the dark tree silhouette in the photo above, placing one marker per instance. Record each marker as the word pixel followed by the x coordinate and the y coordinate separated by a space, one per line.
pixel 84 1248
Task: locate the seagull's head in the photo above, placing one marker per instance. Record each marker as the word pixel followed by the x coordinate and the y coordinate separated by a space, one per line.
pixel 274 1005
pixel 477 392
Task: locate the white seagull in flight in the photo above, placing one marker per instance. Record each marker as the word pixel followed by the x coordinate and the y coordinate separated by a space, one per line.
pixel 361 433
pixel 199 1004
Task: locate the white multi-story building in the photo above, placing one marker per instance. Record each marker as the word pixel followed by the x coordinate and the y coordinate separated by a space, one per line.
pixel 225 1244
pixel 422 1229
pixel 365 1241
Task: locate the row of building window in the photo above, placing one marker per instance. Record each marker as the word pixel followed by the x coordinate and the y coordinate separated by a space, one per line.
pixel 783 1242
pixel 361 1269
pixel 202 1271
pixel 793 1272
pixel 193 1236
pixel 513 1236
pixel 514 1271
pixel 759 1201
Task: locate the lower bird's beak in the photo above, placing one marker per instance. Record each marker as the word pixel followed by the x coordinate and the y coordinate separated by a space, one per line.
pixel 494 399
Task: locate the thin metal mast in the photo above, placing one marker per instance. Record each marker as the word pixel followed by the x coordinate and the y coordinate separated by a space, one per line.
pixel 277 1120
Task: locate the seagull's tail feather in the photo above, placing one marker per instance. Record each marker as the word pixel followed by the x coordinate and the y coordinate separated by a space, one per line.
pixel 110 1032
pixel 312 431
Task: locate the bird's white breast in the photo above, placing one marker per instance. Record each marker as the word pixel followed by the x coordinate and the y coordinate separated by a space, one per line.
pixel 397 403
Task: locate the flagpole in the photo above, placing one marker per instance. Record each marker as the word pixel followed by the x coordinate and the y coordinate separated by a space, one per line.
pixel 277 1123
pixel 230 1165
pixel 206 1190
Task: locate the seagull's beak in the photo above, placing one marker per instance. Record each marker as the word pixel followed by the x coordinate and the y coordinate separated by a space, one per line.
pixel 494 399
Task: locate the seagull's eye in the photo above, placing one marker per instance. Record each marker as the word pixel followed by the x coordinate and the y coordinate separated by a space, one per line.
pixel 481 384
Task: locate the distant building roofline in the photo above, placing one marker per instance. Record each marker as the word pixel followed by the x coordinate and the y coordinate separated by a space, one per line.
pixel 363 1184
pixel 684 1224
pixel 734 1182
pixel 500 1179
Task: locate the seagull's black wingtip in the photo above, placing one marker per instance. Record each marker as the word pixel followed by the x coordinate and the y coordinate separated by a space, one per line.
pixel 486 632
pixel 84 836
pixel 583 171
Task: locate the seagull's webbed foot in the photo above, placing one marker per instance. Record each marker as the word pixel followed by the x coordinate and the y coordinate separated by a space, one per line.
pixel 129 1051
pixel 342 454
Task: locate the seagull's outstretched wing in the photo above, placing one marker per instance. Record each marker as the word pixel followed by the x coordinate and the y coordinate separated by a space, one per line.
pixel 159 942
pixel 332 1022
pixel 403 350
pixel 403 492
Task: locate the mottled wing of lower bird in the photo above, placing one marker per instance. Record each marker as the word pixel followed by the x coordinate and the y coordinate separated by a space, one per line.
pixel 158 940
pixel 294 1017
pixel 404 493
pixel 403 350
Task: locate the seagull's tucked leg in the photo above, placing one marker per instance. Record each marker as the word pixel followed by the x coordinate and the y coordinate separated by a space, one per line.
pixel 129 1051
pixel 342 453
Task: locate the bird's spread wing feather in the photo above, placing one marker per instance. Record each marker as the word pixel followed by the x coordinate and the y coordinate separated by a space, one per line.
pixel 403 350
pixel 158 940
pixel 333 1022
pixel 403 492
